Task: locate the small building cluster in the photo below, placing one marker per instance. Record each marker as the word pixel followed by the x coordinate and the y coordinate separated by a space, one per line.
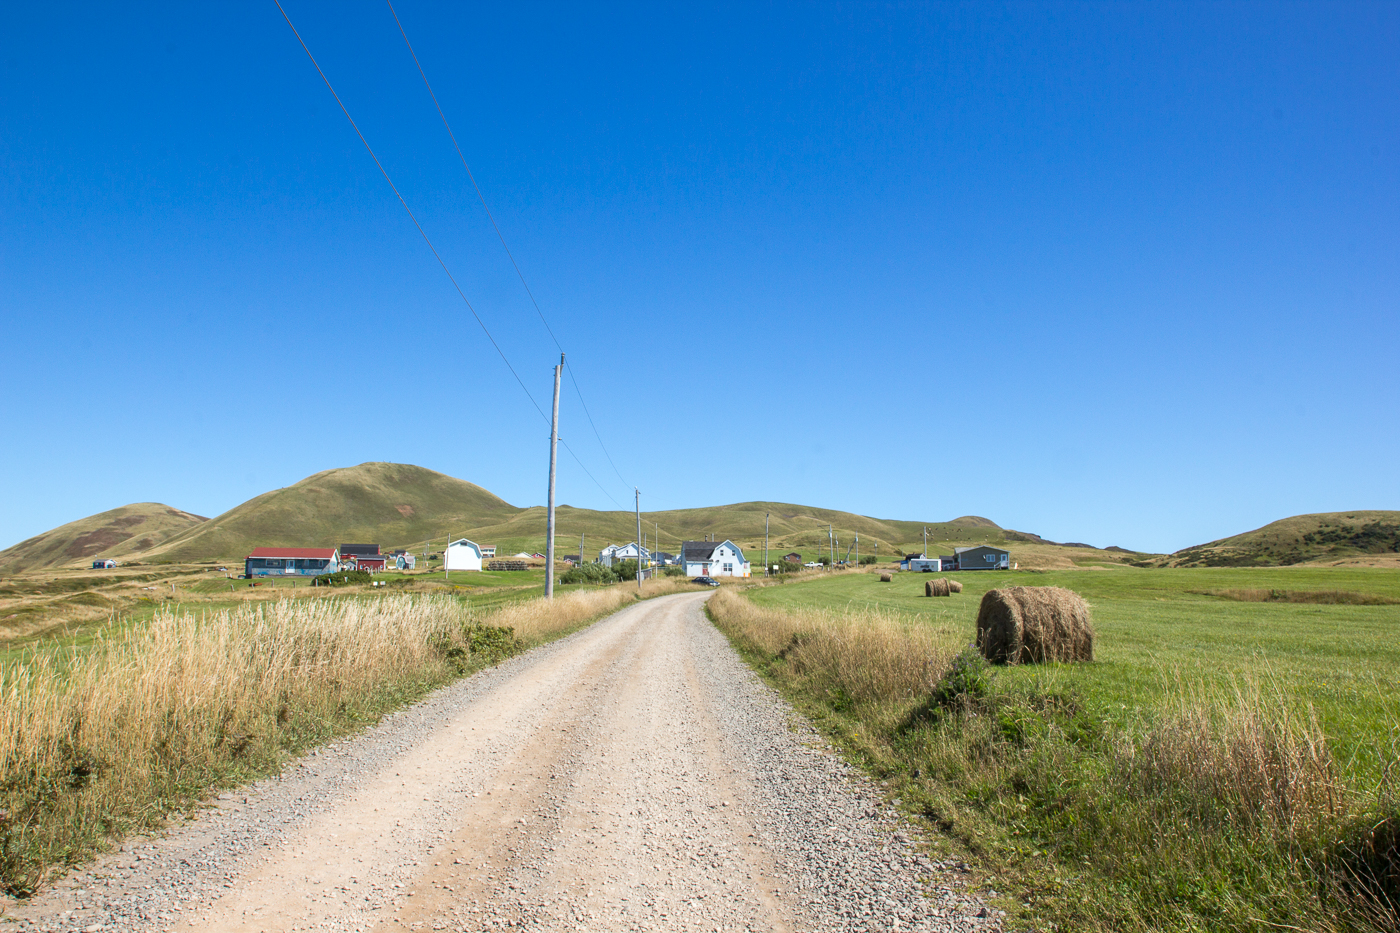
pixel 981 557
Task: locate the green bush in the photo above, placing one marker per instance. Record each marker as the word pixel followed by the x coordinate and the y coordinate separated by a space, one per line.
pixel 343 578
pixel 588 573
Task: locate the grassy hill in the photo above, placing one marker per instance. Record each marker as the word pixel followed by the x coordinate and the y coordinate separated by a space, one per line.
pixel 116 533
pixel 1322 537
pixel 397 505
pixel 382 503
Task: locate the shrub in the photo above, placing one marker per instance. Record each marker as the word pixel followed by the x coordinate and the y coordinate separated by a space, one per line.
pixel 343 578
pixel 588 573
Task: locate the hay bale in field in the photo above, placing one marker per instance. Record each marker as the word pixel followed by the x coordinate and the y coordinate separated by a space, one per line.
pixel 886 577
pixel 1031 624
pixel 955 586
pixel 937 587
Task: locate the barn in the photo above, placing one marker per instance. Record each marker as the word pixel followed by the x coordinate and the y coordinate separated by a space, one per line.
pixel 462 555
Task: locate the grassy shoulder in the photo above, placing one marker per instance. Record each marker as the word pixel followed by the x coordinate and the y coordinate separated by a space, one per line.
pixel 134 726
pixel 1219 767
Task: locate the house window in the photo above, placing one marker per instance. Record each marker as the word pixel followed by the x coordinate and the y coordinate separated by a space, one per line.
pixel 991 559
pixel 728 568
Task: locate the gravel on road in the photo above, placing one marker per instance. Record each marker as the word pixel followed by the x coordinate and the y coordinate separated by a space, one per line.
pixel 633 776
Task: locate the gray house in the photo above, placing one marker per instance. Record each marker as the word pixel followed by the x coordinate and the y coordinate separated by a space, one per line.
pixel 982 557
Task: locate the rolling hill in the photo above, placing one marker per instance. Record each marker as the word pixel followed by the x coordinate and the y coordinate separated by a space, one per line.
pixel 1324 536
pixel 384 503
pixel 398 505
pixel 118 533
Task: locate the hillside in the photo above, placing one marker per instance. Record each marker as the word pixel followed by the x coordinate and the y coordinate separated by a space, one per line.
pixel 398 505
pixel 1325 536
pixel 116 533
pixel 386 503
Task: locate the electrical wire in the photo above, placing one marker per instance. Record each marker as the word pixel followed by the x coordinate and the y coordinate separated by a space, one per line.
pixel 501 236
pixel 423 233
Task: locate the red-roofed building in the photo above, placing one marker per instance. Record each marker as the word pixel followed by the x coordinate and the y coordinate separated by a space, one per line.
pixel 291 562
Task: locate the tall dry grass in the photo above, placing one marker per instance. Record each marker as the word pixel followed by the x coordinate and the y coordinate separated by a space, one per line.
pixel 863 655
pixel 99 741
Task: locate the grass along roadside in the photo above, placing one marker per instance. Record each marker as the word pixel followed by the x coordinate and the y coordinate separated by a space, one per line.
pixel 116 737
pixel 1221 806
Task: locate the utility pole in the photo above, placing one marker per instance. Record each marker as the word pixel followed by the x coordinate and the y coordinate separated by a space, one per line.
pixel 857 550
pixel 553 460
pixel 831 547
pixel 765 543
pixel 925 554
pixel 580 546
pixel 639 537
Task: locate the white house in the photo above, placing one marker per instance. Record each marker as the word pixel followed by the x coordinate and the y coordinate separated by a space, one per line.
pixel 462 555
pixel 713 559
pixel 629 551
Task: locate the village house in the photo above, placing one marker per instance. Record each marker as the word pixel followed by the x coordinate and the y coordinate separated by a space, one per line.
pixel 713 559
pixel 291 562
pixel 620 552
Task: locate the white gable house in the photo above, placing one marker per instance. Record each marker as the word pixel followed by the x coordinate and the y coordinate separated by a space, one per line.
pixel 630 551
pixel 462 555
pixel 713 559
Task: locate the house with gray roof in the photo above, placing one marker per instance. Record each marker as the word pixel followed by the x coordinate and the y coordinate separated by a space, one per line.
pixel 713 559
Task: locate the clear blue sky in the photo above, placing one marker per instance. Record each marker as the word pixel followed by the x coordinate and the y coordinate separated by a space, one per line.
pixel 1116 273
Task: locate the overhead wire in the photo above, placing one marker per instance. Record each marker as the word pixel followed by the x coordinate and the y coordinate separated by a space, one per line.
pixel 501 236
pixel 423 233
pixel 438 256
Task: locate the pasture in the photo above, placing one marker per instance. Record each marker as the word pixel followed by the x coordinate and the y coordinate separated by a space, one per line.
pixel 1160 629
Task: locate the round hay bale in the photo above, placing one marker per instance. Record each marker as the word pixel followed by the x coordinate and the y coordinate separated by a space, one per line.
pixel 886 577
pixel 1033 624
pixel 955 586
pixel 937 587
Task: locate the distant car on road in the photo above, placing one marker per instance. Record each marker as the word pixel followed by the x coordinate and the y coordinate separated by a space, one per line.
pixel 707 581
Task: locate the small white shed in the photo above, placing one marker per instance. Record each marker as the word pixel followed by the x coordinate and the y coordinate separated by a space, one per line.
pixel 462 555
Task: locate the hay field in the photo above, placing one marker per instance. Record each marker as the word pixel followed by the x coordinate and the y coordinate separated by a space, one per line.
pixel 1218 766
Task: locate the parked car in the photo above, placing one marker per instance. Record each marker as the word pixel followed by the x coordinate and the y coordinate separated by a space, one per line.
pixel 707 581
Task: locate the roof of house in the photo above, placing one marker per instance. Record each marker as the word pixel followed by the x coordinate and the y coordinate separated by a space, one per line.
pixel 464 542
pixel 980 547
pixel 359 550
pixel 318 553
pixel 698 550
pixel 704 550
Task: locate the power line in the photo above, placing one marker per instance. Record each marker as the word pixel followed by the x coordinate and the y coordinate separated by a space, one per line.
pixel 501 236
pixel 409 211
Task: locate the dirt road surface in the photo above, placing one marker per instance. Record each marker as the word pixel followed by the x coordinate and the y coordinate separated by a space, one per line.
pixel 634 776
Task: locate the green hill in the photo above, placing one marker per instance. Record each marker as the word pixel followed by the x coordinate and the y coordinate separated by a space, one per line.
pixel 116 533
pixel 1300 539
pixel 382 503
pixel 397 505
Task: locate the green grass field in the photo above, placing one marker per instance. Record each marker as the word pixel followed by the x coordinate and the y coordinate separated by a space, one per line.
pixel 1155 629
pixel 1227 762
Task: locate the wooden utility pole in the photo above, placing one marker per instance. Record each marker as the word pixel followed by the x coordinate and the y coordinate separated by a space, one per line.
pixel 765 542
pixel 553 459
pixel 639 537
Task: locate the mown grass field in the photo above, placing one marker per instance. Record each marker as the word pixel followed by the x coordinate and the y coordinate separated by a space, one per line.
pixel 1228 761
pixel 1156 628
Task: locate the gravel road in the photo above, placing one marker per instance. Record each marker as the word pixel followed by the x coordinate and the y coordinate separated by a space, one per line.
pixel 634 776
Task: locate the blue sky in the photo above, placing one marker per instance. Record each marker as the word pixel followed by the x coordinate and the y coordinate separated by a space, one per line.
pixel 1115 273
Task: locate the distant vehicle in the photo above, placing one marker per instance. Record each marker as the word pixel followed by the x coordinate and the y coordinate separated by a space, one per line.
pixel 811 563
pixel 706 581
